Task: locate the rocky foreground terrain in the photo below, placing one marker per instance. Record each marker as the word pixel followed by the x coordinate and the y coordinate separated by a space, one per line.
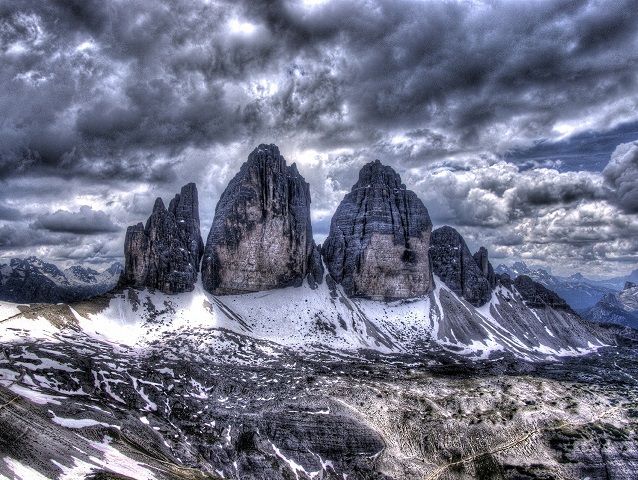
pixel 153 386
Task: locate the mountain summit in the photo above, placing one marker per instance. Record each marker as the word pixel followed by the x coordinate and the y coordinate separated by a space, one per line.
pixel 261 237
pixel 379 238
pixel 165 253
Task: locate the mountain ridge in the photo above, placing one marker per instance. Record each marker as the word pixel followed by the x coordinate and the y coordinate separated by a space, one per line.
pixel 32 280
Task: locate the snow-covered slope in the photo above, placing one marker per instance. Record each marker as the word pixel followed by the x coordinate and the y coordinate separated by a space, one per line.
pixel 302 383
pixel 325 319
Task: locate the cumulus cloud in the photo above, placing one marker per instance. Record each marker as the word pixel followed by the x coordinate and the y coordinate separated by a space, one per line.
pixel 85 222
pixel 621 175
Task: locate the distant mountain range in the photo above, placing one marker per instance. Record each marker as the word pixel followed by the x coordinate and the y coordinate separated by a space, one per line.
pixel 579 292
pixel 620 307
pixel 31 280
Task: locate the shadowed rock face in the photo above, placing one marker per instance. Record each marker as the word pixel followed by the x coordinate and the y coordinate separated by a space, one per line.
pixel 261 237
pixel 538 296
pixel 453 263
pixel 165 253
pixel 379 238
pixel 482 260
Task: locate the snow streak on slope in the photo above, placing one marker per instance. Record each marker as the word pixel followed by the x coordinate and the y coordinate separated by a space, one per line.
pixel 323 319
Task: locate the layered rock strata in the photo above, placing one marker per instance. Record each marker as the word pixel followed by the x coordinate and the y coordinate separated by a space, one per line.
pixel 261 237
pixel 453 263
pixel 165 254
pixel 379 238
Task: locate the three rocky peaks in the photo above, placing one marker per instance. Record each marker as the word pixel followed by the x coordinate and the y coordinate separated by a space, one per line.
pixel 381 244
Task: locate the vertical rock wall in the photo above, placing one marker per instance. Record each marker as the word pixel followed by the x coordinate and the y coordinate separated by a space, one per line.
pixel 261 237
pixel 165 253
pixel 379 238
pixel 453 263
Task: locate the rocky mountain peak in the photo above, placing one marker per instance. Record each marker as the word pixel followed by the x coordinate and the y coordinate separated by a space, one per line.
pixel 165 253
pixel 379 238
pixel 629 285
pixel 158 206
pixel 482 260
pixel 453 263
pixel 375 174
pixel 538 296
pixel 261 237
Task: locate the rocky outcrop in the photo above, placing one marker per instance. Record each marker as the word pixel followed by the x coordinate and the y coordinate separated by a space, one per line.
pixel 537 296
pixel 379 238
pixel 453 263
pixel 482 260
pixel 261 237
pixel 165 254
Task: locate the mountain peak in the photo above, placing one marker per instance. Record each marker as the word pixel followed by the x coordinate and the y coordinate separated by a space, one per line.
pixel 453 263
pixel 379 238
pixel 261 237
pixel 378 175
pixel 165 254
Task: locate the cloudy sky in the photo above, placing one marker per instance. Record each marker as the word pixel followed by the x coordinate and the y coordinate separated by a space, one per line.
pixel 515 122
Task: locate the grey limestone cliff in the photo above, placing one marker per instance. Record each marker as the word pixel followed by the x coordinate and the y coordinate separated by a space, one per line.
pixel 453 263
pixel 261 237
pixel 379 238
pixel 165 254
pixel 538 296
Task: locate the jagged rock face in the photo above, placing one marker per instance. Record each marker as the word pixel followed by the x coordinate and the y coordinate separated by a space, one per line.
pixel 620 307
pixel 537 296
pixel 165 253
pixel 482 260
pixel 261 237
pixel 379 238
pixel 453 263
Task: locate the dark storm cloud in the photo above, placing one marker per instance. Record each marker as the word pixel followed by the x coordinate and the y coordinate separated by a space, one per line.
pixel 589 150
pixel 8 213
pixel 85 222
pixel 20 236
pixel 89 80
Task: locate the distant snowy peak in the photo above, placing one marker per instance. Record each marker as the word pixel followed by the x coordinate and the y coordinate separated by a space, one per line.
pixel 32 280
